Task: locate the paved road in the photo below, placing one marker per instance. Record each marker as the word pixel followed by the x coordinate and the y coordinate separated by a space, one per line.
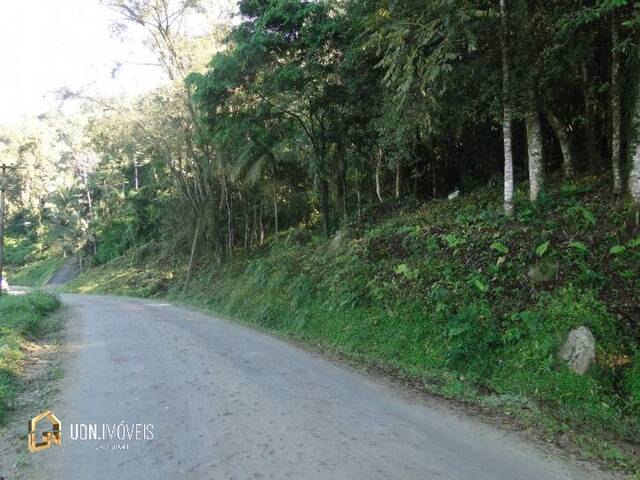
pixel 227 402
pixel 69 270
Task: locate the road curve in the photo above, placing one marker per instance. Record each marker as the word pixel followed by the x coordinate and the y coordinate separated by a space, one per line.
pixel 227 402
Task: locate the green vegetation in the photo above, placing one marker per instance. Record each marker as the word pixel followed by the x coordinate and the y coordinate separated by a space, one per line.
pixel 22 318
pixel 37 273
pixel 449 294
pixel 295 174
pixel 28 263
pixel 304 109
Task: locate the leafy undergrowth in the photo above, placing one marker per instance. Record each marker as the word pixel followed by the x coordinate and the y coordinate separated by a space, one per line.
pixel 453 295
pixel 22 318
pixel 29 264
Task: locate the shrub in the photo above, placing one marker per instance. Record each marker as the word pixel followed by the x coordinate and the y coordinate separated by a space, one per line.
pixel 632 384
pixel 117 236
pixel 470 337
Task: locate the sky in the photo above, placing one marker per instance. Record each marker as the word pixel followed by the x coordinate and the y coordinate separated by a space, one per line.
pixel 46 45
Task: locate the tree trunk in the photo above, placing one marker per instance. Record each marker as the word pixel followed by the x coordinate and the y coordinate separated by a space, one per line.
pixel 275 210
pixel 246 228
pixel 229 223
pixel 563 139
pixel 358 195
pixel 634 178
pixel 2 218
pixel 398 180
pixel 341 184
pixel 324 194
pixel 589 122
pixel 136 178
pixel 254 227
pixel 192 257
pixel 434 185
pixel 616 115
pixel 634 148
pixel 88 192
pixel 506 112
pixel 275 197
pixel 261 225
pixel 534 148
pixel 378 167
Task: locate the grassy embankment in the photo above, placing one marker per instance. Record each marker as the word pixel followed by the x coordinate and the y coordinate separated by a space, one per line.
pixel 454 297
pixel 28 263
pixel 22 319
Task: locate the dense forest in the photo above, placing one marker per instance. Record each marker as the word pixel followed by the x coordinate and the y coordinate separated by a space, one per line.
pixel 309 112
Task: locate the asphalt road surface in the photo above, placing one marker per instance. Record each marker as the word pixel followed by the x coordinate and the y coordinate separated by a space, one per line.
pixel 227 402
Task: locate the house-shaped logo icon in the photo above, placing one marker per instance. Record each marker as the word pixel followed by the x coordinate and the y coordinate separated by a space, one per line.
pixel 48 437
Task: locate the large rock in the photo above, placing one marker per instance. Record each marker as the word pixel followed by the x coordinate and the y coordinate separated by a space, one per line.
pixel 543 270
pixel 339 242
pixel 579 350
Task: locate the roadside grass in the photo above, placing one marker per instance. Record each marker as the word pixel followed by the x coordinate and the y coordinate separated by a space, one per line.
pixel 23 318
pixel 453 297
pixel 37 273
pixel 29 263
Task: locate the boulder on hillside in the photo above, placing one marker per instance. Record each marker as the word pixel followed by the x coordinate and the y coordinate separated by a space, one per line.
pixel 339 242
pixel 542 270
pixel 579 350
pixel 454 194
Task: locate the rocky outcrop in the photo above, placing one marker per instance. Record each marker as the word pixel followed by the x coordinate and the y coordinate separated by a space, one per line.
pixel 579 350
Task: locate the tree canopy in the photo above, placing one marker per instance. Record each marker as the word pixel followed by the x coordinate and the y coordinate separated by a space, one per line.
pixel 308 112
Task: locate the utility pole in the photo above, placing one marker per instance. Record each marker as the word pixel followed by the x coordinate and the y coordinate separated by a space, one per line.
pixel 3 185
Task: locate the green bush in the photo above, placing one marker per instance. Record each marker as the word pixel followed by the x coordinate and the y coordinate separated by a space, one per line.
pixel 471 337
pixel 115 238
pixel 632 384
pixel 18 250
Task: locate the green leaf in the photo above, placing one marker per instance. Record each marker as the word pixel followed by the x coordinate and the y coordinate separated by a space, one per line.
pixel 452 240
pixel 408 273
pixel 500 247
pixel 634 243
pixel 480 285
pixel 542 248
pixel 402 269
pixel 588 216
pixel 616 250
pixel 579 246
pixel 456 331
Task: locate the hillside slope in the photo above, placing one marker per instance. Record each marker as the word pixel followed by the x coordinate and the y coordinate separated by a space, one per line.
pixel 28 263
pixel 452 296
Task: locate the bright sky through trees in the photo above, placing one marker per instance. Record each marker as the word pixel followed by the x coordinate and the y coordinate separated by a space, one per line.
pixel 46 45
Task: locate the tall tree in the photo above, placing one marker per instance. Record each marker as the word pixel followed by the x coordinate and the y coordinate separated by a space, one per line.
pixel 563 138
pixel 616 110
pixel 507 116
